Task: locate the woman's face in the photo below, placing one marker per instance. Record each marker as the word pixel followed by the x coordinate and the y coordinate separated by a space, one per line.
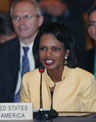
pixel 51 52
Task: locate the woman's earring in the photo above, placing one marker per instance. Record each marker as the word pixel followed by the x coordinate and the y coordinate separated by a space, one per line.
pixel 65 61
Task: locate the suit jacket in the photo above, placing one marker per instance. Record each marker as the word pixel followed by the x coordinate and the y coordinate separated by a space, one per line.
pixel 9 68
pixel 86 60
pixel 75 92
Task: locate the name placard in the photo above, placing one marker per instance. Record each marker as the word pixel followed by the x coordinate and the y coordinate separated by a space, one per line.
pixel 16 111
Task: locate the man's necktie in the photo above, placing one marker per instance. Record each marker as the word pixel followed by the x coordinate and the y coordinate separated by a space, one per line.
pixel 25 69
pixel 25 61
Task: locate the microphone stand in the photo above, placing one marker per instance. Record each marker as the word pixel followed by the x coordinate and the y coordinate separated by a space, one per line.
pixel 44 115
pixel 41 104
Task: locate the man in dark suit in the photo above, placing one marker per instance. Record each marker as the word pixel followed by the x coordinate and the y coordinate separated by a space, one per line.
pixel 26 18
pixel 88 58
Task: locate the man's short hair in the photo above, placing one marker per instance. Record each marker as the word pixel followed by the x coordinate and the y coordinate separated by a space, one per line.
pixel 93 8
pixel 34 2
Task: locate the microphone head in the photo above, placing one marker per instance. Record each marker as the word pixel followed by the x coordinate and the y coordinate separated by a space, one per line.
pixel 41 69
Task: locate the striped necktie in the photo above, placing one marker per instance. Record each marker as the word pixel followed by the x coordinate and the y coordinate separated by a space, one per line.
pixel 25 61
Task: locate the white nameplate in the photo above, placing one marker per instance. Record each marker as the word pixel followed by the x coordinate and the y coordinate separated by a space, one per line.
pixel 16 111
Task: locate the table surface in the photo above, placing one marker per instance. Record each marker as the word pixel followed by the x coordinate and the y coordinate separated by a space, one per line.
pixel 73 117
pixel 65 117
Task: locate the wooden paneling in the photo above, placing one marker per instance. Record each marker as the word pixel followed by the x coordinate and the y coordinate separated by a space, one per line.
pixel 4 5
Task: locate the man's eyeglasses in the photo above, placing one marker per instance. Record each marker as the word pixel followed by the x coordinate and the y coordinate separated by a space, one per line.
pixel 25 17
pixel 91 23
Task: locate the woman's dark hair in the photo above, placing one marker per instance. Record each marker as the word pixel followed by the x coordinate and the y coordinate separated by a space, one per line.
pixel 63 35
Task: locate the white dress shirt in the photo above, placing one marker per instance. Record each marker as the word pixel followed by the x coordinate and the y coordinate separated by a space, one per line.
pixel 31 63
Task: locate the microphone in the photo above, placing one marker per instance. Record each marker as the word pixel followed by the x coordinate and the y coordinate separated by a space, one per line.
pixel 44 114
pixel 41 70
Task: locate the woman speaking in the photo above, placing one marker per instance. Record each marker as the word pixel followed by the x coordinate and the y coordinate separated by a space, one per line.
pixel 64 86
